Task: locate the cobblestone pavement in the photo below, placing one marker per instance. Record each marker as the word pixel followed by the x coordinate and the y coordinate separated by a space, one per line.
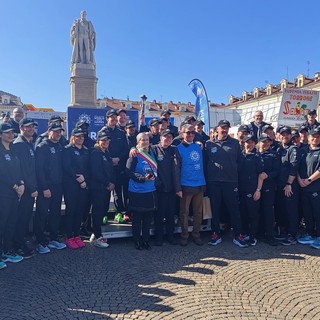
pixel 168 282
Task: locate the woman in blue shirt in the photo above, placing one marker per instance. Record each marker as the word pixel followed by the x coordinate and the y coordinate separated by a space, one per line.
pixel 142 171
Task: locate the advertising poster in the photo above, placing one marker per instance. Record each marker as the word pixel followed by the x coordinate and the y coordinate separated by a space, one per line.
pixel 295 105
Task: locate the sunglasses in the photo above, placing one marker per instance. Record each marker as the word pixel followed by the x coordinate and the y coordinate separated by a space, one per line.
pixel 190 132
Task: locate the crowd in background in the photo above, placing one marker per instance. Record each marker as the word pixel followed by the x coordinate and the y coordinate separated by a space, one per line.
pixel 264 184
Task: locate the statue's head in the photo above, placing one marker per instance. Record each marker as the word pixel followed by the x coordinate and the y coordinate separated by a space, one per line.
pixel 83 14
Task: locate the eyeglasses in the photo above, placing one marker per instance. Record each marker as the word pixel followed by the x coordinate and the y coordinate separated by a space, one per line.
pixel 190 132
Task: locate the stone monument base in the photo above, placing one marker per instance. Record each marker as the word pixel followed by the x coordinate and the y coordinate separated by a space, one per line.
pixel 83 82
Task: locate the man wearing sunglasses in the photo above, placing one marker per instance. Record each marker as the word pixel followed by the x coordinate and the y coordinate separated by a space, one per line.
pixel 190 183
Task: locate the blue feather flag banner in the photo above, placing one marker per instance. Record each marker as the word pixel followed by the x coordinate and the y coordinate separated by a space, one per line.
pixel 201 104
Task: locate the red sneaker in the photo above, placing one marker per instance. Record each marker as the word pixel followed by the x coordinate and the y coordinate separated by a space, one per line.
pixel 79 242
pixel 71 244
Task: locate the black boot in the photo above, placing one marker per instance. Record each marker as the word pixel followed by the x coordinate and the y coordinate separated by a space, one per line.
pixel 146 245
pixel 138 245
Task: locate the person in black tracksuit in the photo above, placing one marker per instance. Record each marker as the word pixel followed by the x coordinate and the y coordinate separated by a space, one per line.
pixel 222 158
pixel 287 196
pixel 165 155
pixel 199 129
pixel 86 222
pixel 84 126
pixel 49 176
pixel 24 149
pixel 271 167
pixel 11 190
pixel 173 128
pixel 308 178
pixel 250 168
pixel 311 122
pixel 118 150
pixel 75 185
pixel 101 184
pixel 43 136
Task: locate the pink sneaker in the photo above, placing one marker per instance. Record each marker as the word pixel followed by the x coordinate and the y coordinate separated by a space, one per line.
pixel 79 242
pixel 71 243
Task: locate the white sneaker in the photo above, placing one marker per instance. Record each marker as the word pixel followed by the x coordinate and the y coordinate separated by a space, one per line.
pixel 101 243
pixel 92 237
pixel 56 245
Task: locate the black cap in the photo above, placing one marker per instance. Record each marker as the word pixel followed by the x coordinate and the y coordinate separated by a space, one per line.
pixel 166 132
pixel 81 123
pixel 295 133
pixel 27 122
pixel 223 123
pixel 163 119
pixel 266 127
pixel 130 124
pixel 279 128
pixel 111 113
pixel 55 118
pixel 264 137
pixel 77 132
pixel 199 121
pixel 165 112
pixel 6 127
pixel 55 127
pixel 303 128
pixel 121 110
pixel 188 118
pixel 248 138
pixel 102 135
pixel 183 123
pixel 312 111
pixel 315 131
pixel 154 121
pixel 285 129
pixel 244 128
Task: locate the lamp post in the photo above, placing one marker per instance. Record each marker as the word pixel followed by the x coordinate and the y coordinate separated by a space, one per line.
pixel 143 101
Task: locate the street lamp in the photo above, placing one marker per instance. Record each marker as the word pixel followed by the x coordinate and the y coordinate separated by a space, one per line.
pixel 144 99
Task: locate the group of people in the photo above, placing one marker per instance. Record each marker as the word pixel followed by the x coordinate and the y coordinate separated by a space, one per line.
pixel 260 179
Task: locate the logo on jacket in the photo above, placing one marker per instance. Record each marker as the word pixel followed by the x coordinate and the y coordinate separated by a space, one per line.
pixel 7 157
pixel 52 150
pixel 77 153
pixel 104 158
pixel 194 156
pixel 214 149
pixel 31 152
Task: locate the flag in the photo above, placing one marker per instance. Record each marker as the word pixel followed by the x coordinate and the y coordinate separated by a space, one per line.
pixel 201 104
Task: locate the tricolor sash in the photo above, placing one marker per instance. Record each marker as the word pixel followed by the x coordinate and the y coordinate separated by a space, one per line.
pixel 150 160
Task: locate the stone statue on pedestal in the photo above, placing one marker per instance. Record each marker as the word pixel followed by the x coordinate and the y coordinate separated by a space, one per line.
pixel 83 80
pixel 83 40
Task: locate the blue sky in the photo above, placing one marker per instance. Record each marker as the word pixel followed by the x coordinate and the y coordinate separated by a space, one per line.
pixel 157 47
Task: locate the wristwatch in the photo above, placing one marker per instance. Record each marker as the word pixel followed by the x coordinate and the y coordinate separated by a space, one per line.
pixel 309 179
pixel 288 184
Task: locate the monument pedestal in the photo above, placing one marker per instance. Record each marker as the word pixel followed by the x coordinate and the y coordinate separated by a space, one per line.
pixel 83 82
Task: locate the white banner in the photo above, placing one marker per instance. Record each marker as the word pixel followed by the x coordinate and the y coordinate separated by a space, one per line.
pixel 295 105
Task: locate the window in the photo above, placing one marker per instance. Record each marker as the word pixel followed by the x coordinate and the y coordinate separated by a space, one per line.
pixel 128 106
pixel 5 101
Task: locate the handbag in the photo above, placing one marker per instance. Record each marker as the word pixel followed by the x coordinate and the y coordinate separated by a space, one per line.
pixel 206 208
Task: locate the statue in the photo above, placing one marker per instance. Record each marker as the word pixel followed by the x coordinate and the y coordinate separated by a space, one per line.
pixel 83 40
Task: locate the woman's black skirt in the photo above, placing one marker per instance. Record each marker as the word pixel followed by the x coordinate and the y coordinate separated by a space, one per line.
pixel 142 202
